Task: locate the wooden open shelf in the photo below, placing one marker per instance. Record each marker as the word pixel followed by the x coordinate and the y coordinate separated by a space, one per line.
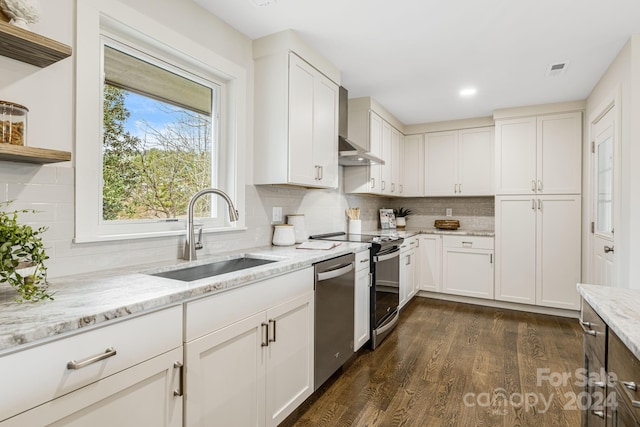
pixel 30 47
pixel 18 153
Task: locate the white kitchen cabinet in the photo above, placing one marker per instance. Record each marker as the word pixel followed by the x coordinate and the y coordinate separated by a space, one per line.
pixel 467 266
pixel 538 250
pixel 249 353
pixel 383 140
pixel 296 123
pixel 43 374
pixel 459 162
pixel 429 259
pixel 362 301
pixel 412 184
pixel 146 394
pixel 539 155
pixel 407 271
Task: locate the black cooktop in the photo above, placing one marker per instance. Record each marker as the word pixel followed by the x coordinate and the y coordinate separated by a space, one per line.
pixel 358 238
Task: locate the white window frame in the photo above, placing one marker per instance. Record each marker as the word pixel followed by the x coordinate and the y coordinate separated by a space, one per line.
pixel 96 18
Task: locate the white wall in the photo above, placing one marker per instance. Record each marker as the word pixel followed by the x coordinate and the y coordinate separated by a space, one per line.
pixel 622 78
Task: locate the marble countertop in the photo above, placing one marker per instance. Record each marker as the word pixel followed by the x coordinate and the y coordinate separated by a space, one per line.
pixel 89 299
pixel 409 232
pixel 619 308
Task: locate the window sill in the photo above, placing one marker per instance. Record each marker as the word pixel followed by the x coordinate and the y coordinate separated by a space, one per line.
pixel 136 236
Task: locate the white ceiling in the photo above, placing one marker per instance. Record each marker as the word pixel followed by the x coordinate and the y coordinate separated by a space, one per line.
pixel 413 56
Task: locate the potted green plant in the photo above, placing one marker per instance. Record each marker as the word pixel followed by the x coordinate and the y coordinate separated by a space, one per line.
pixel 401 215
pixel 22 257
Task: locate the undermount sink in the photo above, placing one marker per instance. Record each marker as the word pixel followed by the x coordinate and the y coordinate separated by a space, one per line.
pixel 190 274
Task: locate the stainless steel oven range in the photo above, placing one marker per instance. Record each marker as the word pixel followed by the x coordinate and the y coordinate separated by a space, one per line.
pixel 385 290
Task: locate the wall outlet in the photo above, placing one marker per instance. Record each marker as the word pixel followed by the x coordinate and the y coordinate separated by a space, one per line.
pixel 449 212
pixel 276 217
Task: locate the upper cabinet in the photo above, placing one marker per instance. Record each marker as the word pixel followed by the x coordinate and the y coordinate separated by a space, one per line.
pixel 459 162
pixel 296 116
pixel 539 155
pixel 382 138
pixel 413 167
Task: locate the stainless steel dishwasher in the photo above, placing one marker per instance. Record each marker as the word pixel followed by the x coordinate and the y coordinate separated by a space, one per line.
pixel 334 286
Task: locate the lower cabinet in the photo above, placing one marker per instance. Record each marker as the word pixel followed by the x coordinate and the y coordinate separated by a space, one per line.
pixel 429 259
pixel 467 266
pixel 257 369
pixel 408 282
pixel 147 394
pixel 362 300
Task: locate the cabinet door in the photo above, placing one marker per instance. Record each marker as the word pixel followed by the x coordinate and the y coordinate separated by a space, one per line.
pixel 302 168
pixel 429 255
pixel 375 141
pixel 559 169
pixel 515 160
pixel 396 162
pixel 413 167
pixel 475 162
pixel 407 276
pixel 225 384
pixel 386 170
pixel 289 357
pixel 467 272
pixel 515 275
pixel 142 395
pixel 558 251
pixel 440 163
pixel 325 131
pixel 362 300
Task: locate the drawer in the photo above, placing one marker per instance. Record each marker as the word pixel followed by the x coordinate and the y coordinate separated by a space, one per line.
pixel 472 242
pixel 624 367
pixel 39 374
pixel 409 243
pixel 595 331
pixel 362 261
pixel 214 312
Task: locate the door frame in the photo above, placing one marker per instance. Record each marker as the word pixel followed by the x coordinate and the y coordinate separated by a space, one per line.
pixel 613 102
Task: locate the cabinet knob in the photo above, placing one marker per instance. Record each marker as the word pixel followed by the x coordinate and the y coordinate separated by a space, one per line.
pixel 608 249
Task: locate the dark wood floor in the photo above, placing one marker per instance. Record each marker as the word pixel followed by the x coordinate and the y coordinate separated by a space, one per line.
pixel 451 364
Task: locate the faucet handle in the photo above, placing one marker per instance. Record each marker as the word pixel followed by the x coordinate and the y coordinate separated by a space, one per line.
pixel 198 244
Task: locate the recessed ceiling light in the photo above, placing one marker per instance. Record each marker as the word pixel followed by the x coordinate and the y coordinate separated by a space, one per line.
pixel 467 92
pixel 263 3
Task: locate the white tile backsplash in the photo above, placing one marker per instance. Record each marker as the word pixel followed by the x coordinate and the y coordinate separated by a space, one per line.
pixel 50 190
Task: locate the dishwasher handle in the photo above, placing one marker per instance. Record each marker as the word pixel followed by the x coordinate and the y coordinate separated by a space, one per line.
pixel 336 272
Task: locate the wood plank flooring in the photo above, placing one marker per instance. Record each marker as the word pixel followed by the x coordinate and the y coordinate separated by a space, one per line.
pixel 452 364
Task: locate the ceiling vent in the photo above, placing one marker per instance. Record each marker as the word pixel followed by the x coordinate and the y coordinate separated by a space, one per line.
pixel 554 70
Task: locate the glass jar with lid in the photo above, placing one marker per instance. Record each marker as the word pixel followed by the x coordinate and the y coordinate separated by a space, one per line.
pixel 13 123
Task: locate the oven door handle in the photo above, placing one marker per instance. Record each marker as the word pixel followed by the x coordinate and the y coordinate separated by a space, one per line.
pixel 385 257
pixel 336 272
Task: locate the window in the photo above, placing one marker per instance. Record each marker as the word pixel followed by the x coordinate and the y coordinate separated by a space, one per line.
pixel 158 117
pixel 159 138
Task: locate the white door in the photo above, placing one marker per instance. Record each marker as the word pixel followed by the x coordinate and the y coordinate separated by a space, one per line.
pixel 467 272
pixel 559 167
pixel 325 131
pixel 515 249
pixel 558 251
pixel 475 162
pixel 375 147
pixel 225 384
pixel 407 276
pixel 362 303
pixel 413 167
pixel 139 396
pixel 441 163
pixel 289 357
pixel 602 195
pixel 387 155
pixel 396 162
pixel 515 160
pixel 301 87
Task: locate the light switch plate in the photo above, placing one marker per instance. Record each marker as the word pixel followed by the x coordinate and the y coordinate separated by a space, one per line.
pixel 449 212
pixel 277 214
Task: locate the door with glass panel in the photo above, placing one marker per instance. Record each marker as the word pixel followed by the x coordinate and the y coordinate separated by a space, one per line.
pixel 603 193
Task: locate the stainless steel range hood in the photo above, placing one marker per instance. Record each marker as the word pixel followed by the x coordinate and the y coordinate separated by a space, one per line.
pixel 350 153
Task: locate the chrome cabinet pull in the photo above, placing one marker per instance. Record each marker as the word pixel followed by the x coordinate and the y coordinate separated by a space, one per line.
pixel 75 364
pixel 539 204
pixel 533 204
pixel 373 183
pixel 539 185
pixel 533 185
pixel 384 184
pixel 586 328
pixel 362 261
pixel 178 392
pixel 321 173
pixel 265 334
pixel 273 322
pixel 460 188
pixel 490 258
pixel 608 249
pixel 393 187
pixel 631 385
pixel 370 279
pixel 401 188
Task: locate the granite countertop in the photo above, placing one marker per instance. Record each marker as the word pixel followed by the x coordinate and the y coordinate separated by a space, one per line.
pixel 619 308
pixel 89 299
pixel 410 232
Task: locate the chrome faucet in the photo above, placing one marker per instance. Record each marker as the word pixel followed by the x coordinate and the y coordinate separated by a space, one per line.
pixel 189 245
